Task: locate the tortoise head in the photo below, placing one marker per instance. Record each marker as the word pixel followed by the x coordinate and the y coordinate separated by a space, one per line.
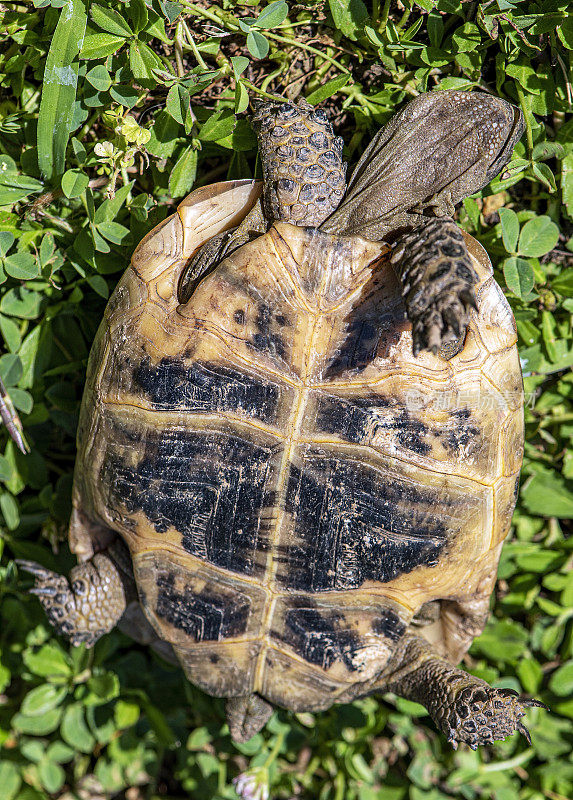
pixel 442 147
pixel 303 171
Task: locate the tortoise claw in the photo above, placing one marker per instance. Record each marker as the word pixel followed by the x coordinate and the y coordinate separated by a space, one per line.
pixel 43 591
pixel 467 296
pixel 11 420
pixel 33 568
pixel 524 732
pixel 534 704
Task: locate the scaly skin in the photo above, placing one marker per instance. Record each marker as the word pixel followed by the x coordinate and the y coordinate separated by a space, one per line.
pixel 303 171
pixel 441 148
pixel 87 605
pixel 246 716
pixel 465 708
pixel 437 277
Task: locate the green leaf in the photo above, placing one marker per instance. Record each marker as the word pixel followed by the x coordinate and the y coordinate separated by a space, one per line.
pixel 100 45
pixel 99 285
pixel 6 474
pixel 563 283
pixel 38 725
pixel 10 369
pixel 21 303
pixel 35 353
pixel 241 98
pixel 10 780
pixel 565 33
pixel 126 714
pixel 138 14
pixel 110 20
pixel 184 173
pixel 466 38
pixel 47 248
pixel 567 183
pixel 60 752
pixel 218 126
pixel 102 688
pixel 548 495
pixel 562 680
pixel 502 640
pixel 22 400
pixel 177 103
pixel 509 229
pixel 113 231
pixel 239 64
pixel 142 61
pixel 257 45
pixel 22 266
pixel 48 661
pixel 273 15
pixel 11 513
pixel 328 89
pixel 99 78
pixel 164 135
pixel 170 9
pixel 42 699
pixel 7 239
pixel 156 28
pixel 11 333
pixel 110 208
pixel 74 182
pixel 538 236
pixel 59 89
pixel 519 276
pixel 75 731
pixel 530 674
pixel 51 775
pixel 350 16
pixel 15 187
pixel 545 175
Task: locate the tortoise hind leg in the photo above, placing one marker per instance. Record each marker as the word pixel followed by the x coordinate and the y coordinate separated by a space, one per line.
pixel 87 605
pixel 465 708
pixel 246 716
pixel 438 281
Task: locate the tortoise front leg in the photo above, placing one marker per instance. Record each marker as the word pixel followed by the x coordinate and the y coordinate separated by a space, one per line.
pixel 219 247
pixel 438 279
pixel 463 707
pixel 87 605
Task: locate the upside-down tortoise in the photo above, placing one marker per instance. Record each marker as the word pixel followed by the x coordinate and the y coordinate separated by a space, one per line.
pixel 303 416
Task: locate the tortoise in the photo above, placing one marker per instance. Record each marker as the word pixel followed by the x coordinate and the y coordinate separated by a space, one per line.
pixel 302 429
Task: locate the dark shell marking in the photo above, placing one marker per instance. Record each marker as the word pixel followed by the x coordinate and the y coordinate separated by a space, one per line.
pixel 282 502
pixel 209 486
pixel 353 523
pixel 207 388
pixel 205 616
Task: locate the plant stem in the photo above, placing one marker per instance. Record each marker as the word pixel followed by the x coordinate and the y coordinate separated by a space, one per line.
pixel 193 46
pixel 510 763
pixel 527 117
pixel 232 26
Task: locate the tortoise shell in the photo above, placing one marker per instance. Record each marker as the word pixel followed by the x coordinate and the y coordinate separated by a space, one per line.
pixel 295 488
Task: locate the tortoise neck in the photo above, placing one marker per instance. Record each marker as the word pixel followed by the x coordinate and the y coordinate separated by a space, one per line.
pixel 303 171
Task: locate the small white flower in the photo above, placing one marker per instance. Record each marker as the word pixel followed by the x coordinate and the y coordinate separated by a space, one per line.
pixel 252 785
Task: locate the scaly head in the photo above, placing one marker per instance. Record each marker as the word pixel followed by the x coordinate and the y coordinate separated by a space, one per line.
pixel 303 171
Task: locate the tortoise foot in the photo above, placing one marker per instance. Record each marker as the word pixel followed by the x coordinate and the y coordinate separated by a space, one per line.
pixel 438 283
pixel 478 714
pixel 246 716
pixel 85 607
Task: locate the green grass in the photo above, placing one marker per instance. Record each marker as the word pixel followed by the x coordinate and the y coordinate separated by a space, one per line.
pixel 110 113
